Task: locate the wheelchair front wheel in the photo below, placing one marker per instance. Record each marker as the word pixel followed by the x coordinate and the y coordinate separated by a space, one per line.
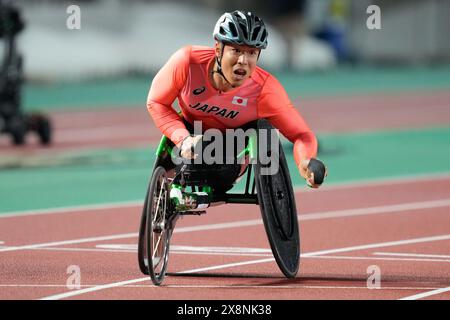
pixel 155 237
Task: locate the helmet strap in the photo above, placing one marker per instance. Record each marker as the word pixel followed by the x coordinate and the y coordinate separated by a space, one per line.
pixel 219 65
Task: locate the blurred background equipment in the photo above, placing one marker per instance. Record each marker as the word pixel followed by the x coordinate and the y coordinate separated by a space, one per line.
pixel 119 37
pixel 12 120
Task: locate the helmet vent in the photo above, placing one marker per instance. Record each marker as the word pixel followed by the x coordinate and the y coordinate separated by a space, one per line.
pixel 264 35
pixel 255 33
pixel 233 30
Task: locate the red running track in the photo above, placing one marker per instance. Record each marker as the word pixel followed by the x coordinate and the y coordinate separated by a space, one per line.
pixel 400 227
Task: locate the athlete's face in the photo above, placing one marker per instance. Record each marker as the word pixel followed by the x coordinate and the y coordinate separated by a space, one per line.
pixel 238 62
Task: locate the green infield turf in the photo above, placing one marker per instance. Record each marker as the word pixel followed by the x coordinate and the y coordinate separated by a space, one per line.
pixel 114 175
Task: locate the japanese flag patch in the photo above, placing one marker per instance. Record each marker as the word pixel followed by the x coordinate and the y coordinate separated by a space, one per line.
pixel 239 101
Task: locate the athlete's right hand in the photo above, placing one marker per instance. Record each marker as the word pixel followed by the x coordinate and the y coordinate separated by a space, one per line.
pixel 187 147
pixel 314 171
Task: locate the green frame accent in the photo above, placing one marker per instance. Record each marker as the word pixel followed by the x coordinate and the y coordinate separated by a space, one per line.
pixel 207 189
pixel 164 146
pixel 161 146
pixel 251 148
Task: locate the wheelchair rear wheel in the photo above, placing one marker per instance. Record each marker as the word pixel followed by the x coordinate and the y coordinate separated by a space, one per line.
pixel 278 210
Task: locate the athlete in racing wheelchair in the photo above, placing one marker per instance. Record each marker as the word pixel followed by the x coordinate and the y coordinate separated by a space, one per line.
pixel 222 89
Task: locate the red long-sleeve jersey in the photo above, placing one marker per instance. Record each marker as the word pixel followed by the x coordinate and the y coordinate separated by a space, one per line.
pixel 185 76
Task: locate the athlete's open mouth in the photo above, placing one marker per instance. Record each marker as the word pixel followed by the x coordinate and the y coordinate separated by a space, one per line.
pixel 240 72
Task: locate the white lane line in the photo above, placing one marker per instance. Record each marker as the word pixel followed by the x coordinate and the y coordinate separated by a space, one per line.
pixel 219 286
pixel 249 254
pixel 375 258
pixel 203 249
pixel 231 265
pixel 72 209
pixel 92 289
pixel 75 241
pixel 228 265
pixel 223 254
pixel 118 284
pixel 417 255
pixel 139 202
pixel 426 294
pixel 377 210
pixel 216 226
pixel 285 287
pixel 379 245
pixel 48 285
pixel 246 223
pixel 171 252
pixel 128 247
pixel 84 250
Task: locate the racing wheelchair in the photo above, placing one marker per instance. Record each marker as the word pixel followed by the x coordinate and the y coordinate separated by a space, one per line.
pixel 168 198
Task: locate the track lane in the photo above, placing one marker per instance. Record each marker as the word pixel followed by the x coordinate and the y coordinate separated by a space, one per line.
pixel 119 220
pixel 320 277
